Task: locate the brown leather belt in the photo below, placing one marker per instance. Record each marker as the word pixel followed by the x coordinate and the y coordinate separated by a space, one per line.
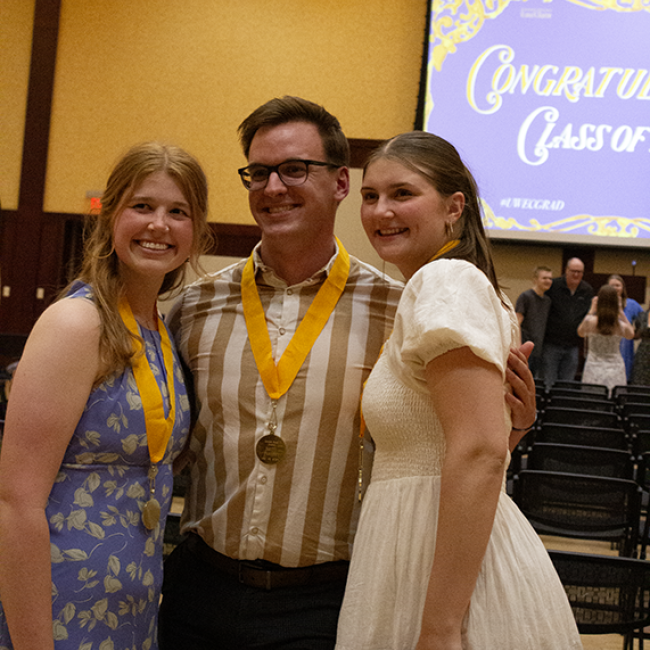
pixel 266 575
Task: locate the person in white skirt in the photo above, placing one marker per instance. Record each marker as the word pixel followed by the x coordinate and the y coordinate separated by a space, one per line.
pixel 604 326
pixel 443 559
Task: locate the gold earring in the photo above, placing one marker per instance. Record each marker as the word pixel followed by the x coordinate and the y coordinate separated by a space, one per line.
pixel 449 229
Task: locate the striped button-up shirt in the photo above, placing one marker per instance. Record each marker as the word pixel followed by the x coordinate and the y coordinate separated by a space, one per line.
pixel 302 510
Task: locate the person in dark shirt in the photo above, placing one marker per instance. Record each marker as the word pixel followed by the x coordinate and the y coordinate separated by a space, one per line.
pixel 570 300
pixel 532 311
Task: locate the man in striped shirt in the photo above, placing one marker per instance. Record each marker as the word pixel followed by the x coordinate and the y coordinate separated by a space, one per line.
pixel 274 455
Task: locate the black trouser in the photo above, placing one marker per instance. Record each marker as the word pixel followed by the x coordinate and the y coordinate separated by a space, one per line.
pixel 205 609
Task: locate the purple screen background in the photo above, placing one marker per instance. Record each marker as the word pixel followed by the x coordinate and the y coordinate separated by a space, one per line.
pixel 574 192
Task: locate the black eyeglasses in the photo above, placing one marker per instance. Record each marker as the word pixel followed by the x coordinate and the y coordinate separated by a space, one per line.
pixel 291 173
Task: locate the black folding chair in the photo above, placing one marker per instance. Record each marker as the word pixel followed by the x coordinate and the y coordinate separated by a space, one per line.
pixel 637 413
pixel 643 479
pixel 575 434
pixel 641 441
pixel 608 595
pixel 585 388
pixel 541 395
pixel 582 417
pixel 588 403
pixel 630 389
pixel 632 407
pixel 580 506
pixel 559 391
pixel 635 422
pixel 638 398
pixel 579 459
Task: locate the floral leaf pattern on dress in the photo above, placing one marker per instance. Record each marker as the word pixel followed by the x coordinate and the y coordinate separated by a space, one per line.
pixel 106 566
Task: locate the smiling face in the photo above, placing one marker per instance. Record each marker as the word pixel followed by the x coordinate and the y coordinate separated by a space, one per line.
pixel 404 216
pixel 301 216
pixel 543 281
pixel 575 269
pixel 153 231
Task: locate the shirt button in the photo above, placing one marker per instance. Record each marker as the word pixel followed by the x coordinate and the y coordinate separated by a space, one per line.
pixel 254 531
pixel 263 480
pixel 282 331
pixel 289 292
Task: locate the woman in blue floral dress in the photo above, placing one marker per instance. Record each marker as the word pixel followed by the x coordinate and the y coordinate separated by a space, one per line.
pixel 98 412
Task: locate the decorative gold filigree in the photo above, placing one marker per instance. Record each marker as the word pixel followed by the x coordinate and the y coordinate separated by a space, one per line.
pixel 615 5
pixel 604 226
pixel 449 26
pixel 457 21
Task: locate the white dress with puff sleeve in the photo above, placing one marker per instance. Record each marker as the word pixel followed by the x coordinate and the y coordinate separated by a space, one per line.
pixel 518 602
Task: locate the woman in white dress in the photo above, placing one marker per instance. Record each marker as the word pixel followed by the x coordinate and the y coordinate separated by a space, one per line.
pixel 631 309
pixel 443 559
pixel 604 326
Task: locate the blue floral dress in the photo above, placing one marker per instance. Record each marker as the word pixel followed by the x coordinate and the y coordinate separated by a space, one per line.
pixel 106 566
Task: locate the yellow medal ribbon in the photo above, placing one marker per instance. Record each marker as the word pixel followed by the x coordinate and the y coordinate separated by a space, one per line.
pixel 159 428
pixel 278 379
pixel 452 243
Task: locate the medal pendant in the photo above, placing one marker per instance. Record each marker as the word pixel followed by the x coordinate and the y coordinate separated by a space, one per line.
pixel 270 449
pixel 151 514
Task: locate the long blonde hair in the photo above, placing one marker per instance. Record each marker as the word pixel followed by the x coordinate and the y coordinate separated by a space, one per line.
pixel 100 268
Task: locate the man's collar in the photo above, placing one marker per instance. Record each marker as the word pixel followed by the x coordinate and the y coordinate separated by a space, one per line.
pixel 271 278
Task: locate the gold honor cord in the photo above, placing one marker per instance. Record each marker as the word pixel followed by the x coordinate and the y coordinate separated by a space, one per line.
pixel 362 429
pixel 452 243
pixel 159 428
pixel 277 379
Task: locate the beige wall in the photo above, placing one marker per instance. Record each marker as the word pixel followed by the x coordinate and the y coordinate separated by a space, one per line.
pixel 515 264
pixel 190 71
pixel 16 19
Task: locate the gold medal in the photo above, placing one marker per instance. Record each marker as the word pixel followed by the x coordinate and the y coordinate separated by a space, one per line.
pixel 151 509
pixel 270 449
pixel 151 514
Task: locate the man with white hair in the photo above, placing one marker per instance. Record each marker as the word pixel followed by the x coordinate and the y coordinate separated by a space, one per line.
pixel 570 300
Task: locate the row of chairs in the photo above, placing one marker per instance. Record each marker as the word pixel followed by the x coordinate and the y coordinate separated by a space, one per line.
pixel 598 390
pixel 583 473
pixel 577 413
pixel 608 594
pixel 631 402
